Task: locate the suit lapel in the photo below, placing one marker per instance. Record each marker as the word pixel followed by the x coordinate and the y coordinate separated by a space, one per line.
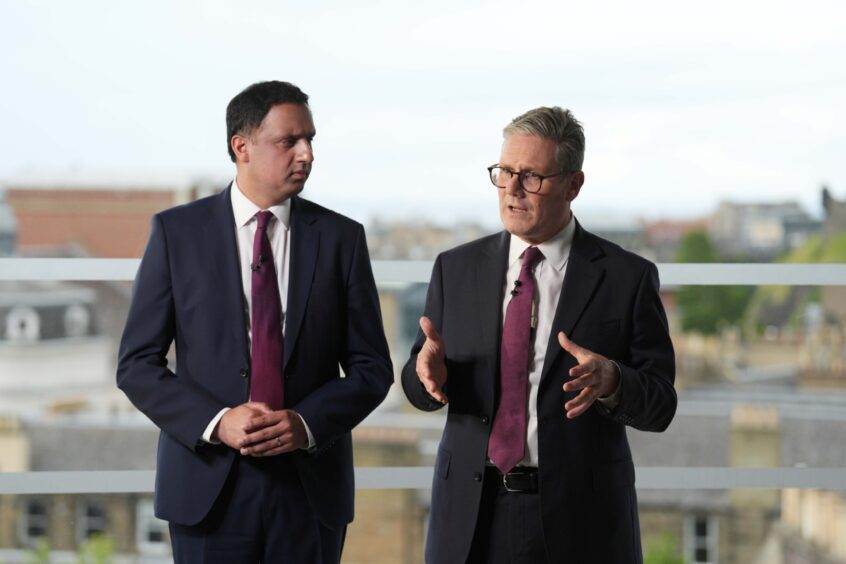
pixel 490 283
pixel 305 244
pixel 580 283
pixel 222 248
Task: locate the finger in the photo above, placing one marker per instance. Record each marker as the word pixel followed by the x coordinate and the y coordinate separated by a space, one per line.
pixel 266 420
pixel 569 345
pixel 580 383
pixel 590 367
pixel 265 434
pixel 274 451
pixel 439 396
pixel 259 406
pixel 580 403
pixel 429 330
pixel 434 390
pixel 283 441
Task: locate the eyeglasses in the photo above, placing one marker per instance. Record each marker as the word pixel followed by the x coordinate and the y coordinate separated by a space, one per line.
pixel 528 181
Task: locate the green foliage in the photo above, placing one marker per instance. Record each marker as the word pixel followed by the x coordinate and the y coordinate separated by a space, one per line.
pixel 706 309
pixel 810 251
pixel 96 550
pixel 40 554
pixel 696 247
pixel 814 250
pixel 835 249
pixel 663 550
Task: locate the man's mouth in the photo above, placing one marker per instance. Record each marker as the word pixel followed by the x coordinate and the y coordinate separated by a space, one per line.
pixel 514 209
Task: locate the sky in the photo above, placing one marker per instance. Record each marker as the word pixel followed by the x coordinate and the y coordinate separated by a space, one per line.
pixel 683 104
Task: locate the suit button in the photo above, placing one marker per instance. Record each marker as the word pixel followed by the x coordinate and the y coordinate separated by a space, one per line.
pixel 477 477
pixel 485 419
pixel 244 372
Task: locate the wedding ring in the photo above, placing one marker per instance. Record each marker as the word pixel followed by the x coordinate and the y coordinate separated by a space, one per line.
pixel 278 441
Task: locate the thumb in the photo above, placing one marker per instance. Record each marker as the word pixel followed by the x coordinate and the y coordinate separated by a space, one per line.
pixel 568 345
pixel 428 329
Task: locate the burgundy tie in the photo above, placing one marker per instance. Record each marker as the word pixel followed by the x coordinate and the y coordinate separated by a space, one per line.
pixel 268 342
pixel 507 442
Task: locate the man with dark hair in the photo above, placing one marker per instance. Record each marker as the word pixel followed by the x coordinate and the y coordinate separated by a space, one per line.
pixel 266 296
pixel 534 465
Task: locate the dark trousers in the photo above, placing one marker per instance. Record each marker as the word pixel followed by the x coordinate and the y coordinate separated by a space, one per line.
pixel 508 528
pixel 262 516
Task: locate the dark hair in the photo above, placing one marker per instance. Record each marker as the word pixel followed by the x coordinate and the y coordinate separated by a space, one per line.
pixel 246 111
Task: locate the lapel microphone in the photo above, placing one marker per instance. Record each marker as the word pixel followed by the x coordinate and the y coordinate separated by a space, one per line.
pixel 517 284
pixel 256 267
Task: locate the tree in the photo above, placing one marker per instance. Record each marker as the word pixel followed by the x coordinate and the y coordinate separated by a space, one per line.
pixel 706 309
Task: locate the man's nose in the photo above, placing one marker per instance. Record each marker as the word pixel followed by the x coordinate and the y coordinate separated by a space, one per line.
pixel 512 186
pixel 305 153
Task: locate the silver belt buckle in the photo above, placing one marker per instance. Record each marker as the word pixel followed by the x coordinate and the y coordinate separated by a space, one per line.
pixel 505 483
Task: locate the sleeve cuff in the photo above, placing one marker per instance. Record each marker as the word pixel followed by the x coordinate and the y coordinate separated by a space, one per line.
pixel 311 446
pixel 613 400
pixel 207 434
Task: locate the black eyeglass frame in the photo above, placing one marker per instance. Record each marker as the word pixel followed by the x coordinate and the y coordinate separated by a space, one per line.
pixel 520 176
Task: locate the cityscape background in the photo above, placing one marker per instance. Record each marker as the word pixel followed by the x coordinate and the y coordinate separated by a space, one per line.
pixel 715 134
pixel 683 105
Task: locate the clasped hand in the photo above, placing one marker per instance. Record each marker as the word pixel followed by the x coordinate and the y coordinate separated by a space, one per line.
pixel 254 429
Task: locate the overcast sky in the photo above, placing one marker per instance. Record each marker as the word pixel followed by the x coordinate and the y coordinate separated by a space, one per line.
pixel 683 103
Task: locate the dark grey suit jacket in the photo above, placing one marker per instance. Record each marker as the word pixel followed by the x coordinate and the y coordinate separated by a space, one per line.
pixel 609 304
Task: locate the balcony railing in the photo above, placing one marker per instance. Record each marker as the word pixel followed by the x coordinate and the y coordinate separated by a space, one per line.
pixel 664 477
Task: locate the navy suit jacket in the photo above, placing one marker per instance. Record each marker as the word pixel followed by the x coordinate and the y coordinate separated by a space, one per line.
pixel 608 304
pixel 188 291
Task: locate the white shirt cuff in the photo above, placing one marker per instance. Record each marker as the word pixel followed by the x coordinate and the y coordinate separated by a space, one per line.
pixel 207 434
pixel 310 446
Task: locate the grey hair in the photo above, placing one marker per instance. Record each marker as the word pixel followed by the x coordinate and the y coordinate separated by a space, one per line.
pixel 557 125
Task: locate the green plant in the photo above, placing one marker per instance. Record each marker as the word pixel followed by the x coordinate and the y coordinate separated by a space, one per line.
pixel 663 550
pixel 707 309
pixel 40 554
pixel 96 550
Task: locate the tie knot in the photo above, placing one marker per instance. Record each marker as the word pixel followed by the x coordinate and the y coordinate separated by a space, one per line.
pixel 263 218
pixel 531 257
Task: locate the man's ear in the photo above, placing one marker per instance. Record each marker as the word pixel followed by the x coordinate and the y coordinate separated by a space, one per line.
pixel 241 147
pixel 574 185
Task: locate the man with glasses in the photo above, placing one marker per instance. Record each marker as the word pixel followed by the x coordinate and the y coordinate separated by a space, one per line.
pixel 545 341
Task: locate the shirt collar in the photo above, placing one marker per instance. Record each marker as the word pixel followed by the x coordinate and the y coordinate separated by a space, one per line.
pixel 555 250
pixel 245 210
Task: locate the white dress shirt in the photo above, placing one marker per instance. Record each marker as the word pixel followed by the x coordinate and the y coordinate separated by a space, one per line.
pixel 279 234
pixel 549 279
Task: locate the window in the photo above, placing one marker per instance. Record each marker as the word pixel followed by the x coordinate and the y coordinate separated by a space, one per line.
pixel 700 539
pixel 91 520
pixel 23 324
pixel 150 532
pixel 34 521
pixel 77 320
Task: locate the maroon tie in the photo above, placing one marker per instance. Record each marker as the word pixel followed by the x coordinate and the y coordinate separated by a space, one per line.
pixel 507 442
pixel 268 342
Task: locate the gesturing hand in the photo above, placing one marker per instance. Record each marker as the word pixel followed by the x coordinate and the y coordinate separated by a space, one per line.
pixel 594 375
pixel 431 368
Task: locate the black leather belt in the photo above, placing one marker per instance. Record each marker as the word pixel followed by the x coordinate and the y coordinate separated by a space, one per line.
pixel 521 479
